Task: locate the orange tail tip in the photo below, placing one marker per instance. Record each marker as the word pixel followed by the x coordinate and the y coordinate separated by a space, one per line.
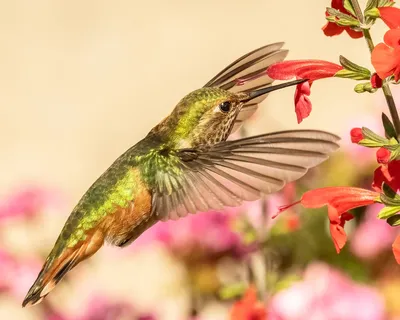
pixel 56 268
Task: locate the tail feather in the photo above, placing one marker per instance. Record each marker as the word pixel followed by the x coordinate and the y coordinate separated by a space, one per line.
pixel 55 268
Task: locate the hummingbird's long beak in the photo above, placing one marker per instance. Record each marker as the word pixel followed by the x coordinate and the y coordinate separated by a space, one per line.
pixel 256 93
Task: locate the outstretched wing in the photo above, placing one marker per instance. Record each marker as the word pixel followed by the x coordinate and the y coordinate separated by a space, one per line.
pixel 251 65
pixel 232 171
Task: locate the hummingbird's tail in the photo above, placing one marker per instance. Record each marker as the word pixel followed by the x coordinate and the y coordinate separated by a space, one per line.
pixel 58 263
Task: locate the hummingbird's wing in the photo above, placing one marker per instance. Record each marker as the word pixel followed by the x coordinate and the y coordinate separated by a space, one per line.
pixel 232 171
pixel 252 65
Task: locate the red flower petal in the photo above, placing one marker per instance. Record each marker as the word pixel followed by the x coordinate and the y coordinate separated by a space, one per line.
pixel 354 34
pixel 396 249
pixel 302 102
pixel 339 200
pixel 304 69
pixel 386 57
pixel 391 16
pixel 332 29
pixel 342 198
pixel 382 155
pixel 356 135
pixel 384 61
pixel 390 174
pixel 392 38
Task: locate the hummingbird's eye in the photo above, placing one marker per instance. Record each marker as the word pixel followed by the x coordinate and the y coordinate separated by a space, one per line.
pixel 225 106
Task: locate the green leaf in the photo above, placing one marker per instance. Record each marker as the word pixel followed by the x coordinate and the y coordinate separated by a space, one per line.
pixel 341 19
pixel 349 7
pixel 389 192
pixel 394 221
pixel 371 4
pixel 390 132
pixel 389 197
pixel 369 134
pixel 388 212
pixel 364 87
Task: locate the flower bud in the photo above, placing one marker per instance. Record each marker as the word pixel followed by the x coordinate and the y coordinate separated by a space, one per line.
pixel 383 155
pixel 376 81
pixel 356 135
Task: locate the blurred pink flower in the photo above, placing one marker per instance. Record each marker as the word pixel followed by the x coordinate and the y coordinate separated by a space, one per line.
pixel 17 274
pixel 210 231
pixel 326 293
pixel 102 308
pixel 373 235
pixel 28 202
pixel 255 215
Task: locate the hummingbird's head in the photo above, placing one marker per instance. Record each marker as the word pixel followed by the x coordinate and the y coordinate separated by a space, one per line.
pixel 206 116
pixel 203 117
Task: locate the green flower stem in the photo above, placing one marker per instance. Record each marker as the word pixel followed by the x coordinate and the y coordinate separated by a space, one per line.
pixel 385 87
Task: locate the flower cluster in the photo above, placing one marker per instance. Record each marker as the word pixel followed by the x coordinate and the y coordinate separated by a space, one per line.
pixel 386 61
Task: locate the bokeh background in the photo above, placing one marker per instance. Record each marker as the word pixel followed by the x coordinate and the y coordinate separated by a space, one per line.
pixel 82 81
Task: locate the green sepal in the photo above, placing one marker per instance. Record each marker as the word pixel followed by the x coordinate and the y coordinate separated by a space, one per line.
pixel 394 221
pixel 352 75
pixel 390 132
pixel 394 152
pixel 349 7
pixel 371 139
pixel 371 4
pixel 352 70
pixel 388 212
pixel 372 13
pixel 341 19
pixel 385 3
pixel 369 134
pixel 365 87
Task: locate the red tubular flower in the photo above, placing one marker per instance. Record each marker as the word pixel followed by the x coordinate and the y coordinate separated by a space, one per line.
pixel 391 16
pixel 386 56
pixel 396 249
pixel 332 29
pixel 303 69
pixel 356 135
pixel 388 173
pixel 249 307
pixel 339 200
pixel 382 155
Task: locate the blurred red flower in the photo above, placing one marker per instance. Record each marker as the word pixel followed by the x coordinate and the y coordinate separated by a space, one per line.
pixel 386 56
pixel 391 16
pixel 396 249
pixel 249 307
pixel 303 69
pixel 332 29
pixel 388 173
pixel 339 200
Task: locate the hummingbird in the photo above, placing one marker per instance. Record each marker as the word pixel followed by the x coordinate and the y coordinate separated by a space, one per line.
pixel 187 164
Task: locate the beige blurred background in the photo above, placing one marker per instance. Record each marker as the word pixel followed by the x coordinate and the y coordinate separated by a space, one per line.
pixel 81 81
